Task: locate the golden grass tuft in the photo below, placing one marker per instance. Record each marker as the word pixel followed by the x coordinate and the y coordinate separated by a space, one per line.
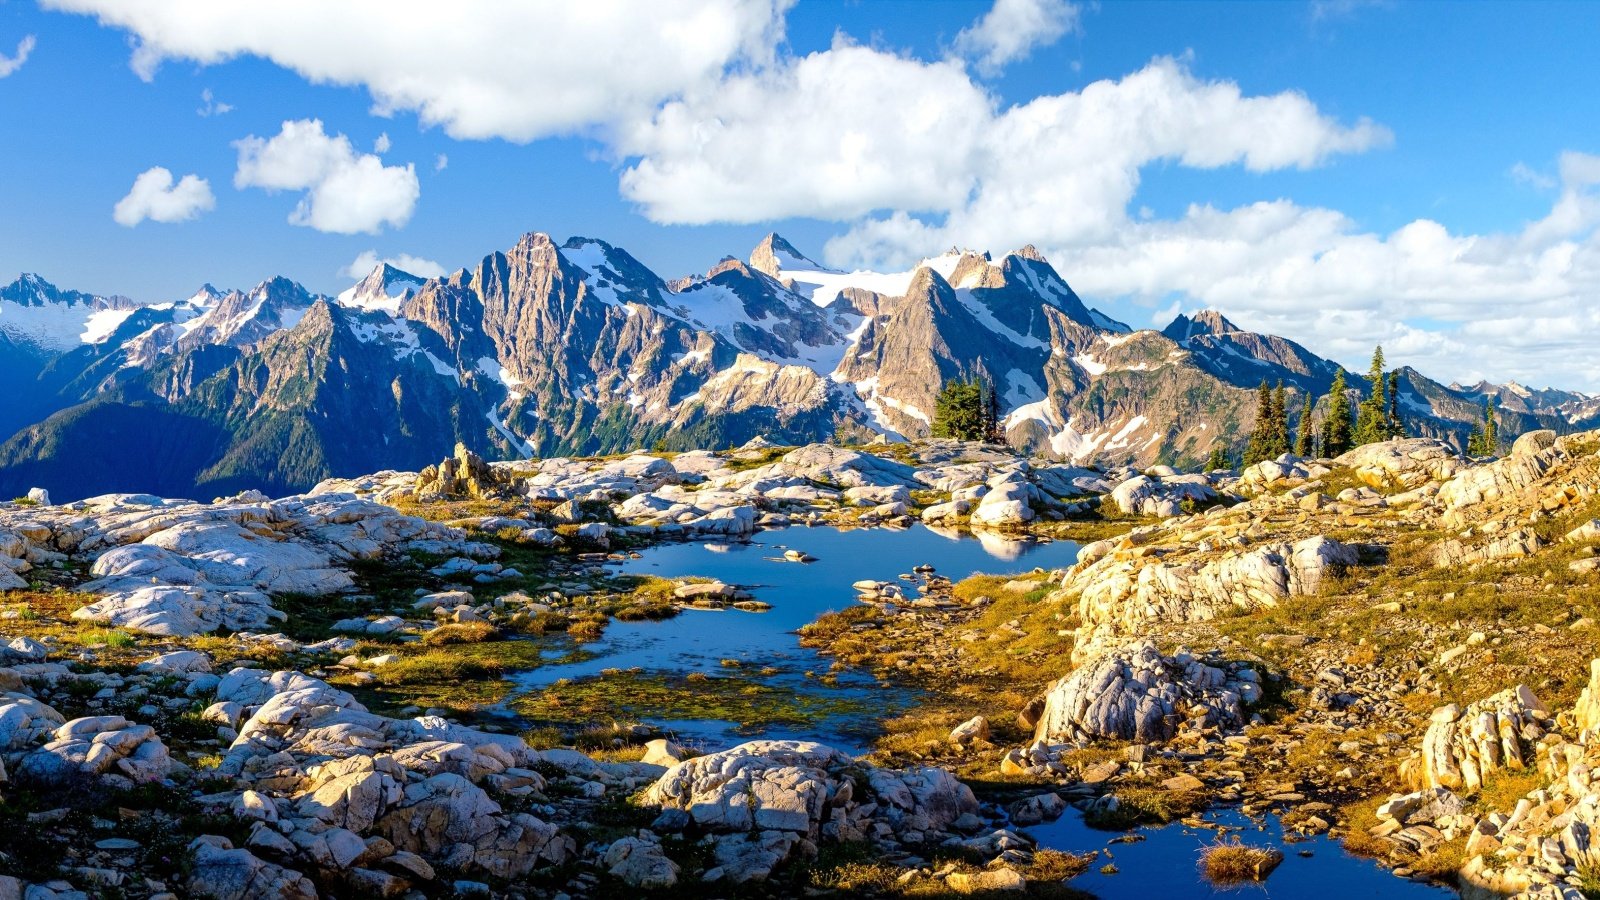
pixel 1230 862
pixel 461 633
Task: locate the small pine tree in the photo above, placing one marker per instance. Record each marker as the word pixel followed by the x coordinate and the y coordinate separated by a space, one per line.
pixel 1278 438
pixel 1218 459
pixel 959 412
pixel 1336 425
pixel 993 431
pixel 1396 425
pixel 1485 439
pixel 1372 419
pixel 1303 443
pixel 1261 435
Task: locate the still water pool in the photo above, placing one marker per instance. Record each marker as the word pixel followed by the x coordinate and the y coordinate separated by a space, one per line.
pixel 1161 863
pixel 700 640
pixel 1165 863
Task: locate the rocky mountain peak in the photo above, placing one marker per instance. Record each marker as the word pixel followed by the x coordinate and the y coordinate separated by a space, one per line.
pixel 774 254
pixel 30 289
pixel 206 295
pixel 534 248
pixel 730 264
pixel 386 288
pixel 974 270
pixel 1030 252
pixel 926 282
pixel 1206 321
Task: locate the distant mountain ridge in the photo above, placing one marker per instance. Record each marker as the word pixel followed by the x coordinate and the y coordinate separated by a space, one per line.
pixel 580 348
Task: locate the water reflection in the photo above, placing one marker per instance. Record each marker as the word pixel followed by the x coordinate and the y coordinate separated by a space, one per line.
pixel 698 641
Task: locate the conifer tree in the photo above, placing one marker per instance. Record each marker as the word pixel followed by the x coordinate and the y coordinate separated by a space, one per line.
pixel 1278 439
pixel 1336 425
pixel 1260 436
pixel 1372 419
pixel 1485 438
pixel 1218 459
pixel 959 411
pixel 1396 425
pixel 1303 444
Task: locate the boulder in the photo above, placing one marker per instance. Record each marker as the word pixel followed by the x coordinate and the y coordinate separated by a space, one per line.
pixel 1462 746
pixel 1136 694
pixel 96 746
pixel 220 872
pixel 640 863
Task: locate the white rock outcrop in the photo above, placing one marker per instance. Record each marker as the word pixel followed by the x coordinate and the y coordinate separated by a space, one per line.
pixel 1136 694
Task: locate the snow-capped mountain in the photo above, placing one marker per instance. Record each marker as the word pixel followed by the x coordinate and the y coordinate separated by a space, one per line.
pixel 578 347
pixel 38 317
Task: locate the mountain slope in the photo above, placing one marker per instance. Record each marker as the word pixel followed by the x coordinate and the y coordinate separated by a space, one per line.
pixel 549 348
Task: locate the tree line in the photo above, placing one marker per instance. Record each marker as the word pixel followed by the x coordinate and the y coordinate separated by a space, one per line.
pixel 1375 418
pixel 968 409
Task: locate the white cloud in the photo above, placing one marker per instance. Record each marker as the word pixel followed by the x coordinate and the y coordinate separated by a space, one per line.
pixel 10 64
pixel 382 144
pixel 345 192
pixel 211 106
pixel 1012 29
pixel 155 197
pixel 1518 305
pixel 467 65
pixel 709 120
pixel 806 139
pixel 803 139
pixel 362 265
pixel 441 162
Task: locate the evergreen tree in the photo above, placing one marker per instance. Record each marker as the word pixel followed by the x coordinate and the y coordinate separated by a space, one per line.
pixel 1372 417
pixel 1218 459
pixel 994 432
pixel 1485 439
pixel 1396 425
pixel 1261 434
pixel 1304 440
pixel 1280 421
pixel 959 411
pixel 1336 425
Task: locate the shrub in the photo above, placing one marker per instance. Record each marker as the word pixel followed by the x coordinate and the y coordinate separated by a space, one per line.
pixel 461 633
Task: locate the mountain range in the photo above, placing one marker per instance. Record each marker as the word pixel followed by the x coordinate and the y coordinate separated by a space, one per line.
pixel 548 349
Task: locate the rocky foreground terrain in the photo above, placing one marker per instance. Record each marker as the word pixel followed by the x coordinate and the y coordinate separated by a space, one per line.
pixel 305 697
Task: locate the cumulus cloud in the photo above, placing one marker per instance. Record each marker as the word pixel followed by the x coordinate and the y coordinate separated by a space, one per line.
pixel 155 197
pixel 363 264
pixel 10 64
pixel 441 162
pixel 382 144
pixel 709 119
pixel 803 139
pixel 1012 29
pixel 1517 305
pixel 345 192
pixel 467 65
pixel 806 139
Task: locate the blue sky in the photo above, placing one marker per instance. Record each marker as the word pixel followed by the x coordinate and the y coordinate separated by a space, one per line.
pixel 1468 109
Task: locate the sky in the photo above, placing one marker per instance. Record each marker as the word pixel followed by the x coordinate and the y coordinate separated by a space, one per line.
pixel 1340 172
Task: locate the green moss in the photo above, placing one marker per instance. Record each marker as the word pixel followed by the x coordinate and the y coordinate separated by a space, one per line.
pixel 617 695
